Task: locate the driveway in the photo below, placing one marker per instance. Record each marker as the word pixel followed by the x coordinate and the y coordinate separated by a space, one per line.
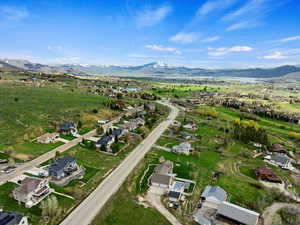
pixel 43 158
pixel 271 210
pixel 154 198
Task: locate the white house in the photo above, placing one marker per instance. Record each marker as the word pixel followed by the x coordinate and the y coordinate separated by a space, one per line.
pixel 183 148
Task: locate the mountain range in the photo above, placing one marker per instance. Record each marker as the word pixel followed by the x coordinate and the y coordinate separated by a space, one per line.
pixel 156 69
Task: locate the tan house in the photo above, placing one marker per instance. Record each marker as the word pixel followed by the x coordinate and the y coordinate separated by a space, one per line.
pixel 162 176
pixel 48 138
pixel 32 191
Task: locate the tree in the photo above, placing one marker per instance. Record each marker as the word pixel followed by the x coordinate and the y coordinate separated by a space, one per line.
pixel 51 211
pixel 100 130
pixel 11 162
pixel 57 154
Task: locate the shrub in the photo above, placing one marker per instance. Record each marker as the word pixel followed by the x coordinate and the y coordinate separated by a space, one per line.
pixel 208 112
pixel 294 135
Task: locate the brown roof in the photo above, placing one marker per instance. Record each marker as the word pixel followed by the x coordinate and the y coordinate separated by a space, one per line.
pixel 29 184
pixel 47 135
pixel 278 148
pixel 266 173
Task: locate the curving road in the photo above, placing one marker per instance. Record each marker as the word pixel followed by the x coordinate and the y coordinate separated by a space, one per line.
pixel 271 210
pixel 84 213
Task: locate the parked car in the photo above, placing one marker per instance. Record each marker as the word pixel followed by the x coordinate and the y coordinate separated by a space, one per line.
pixel 9 169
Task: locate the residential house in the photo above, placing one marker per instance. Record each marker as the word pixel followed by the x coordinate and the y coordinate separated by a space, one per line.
pixel 190 125
pixel 32 191
pixel 68 128
pixel 176 191
pixel 117 133
pixel 279 160
pixel 48 138
pixel 63 167
pixel 237 214
pixel 105 142
pixel 213 196
pixel 129 126
pixel 150 106
pixel 183 148
pixel 138 121
pixel 12 218
pixel 121 104
pixel 186 136
pixel 278 148
pixel 267 174
pixel 162 176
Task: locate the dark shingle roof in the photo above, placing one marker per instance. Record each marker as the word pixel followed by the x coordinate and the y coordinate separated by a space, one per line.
pixel 61 163
pixel 104 140
pixel 67 126
pixel 117 132
pixel 10 218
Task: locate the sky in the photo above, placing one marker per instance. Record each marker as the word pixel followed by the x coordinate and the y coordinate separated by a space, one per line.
pixel 194 33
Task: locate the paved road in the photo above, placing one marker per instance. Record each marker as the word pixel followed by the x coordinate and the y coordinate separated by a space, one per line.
pixel 43 158
pixel 49 155
pixel 271 210
pixel 89 208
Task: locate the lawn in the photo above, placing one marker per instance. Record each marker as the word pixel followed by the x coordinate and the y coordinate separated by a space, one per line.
pixel 123 208
pixel 7 203
pixel 33 149
pixel 27 112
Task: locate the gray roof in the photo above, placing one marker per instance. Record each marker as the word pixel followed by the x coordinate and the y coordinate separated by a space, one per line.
pixel 67 126
pixel 237 213
pixel 104 140
pixel 61 163
pixel 280 158
pixel 200 219
pixel 161 179
pixel 117 132
pixel 8 218
pixel 214 191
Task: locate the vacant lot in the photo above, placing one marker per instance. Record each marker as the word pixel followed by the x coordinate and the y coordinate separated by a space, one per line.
pixel 27 112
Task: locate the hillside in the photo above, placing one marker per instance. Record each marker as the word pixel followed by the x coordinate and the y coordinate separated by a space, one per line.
pixel 151 69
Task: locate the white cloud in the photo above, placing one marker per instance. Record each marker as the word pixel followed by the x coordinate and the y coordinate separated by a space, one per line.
pixel 184 38
pixel 13 13
pixel 163 49
pixel 251 7
pixel 56 49
pixel 243 25
pixel 213 5
pixel 251 14
pixel 150 16
pixel 211 39
pixel 274 55
pixel 226 50
pixel 293 38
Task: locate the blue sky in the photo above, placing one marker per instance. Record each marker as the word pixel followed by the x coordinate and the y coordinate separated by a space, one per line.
pixel 194 33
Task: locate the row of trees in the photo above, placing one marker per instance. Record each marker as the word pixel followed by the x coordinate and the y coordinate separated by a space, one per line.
pixel 248 130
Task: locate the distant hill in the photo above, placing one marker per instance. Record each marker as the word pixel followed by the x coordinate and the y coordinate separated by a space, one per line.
pixel 150 69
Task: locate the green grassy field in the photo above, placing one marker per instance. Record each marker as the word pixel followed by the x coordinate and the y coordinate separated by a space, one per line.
pixel 27 110
pixel 124 209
